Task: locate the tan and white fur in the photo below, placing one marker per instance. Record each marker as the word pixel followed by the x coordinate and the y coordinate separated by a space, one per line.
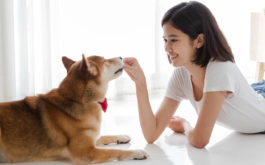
pixel 65 123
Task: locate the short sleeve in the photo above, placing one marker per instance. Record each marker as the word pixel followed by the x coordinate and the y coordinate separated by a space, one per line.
pixel 221 76
pixel 175 88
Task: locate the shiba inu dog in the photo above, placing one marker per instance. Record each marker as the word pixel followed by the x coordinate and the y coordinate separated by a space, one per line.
pixel 65 123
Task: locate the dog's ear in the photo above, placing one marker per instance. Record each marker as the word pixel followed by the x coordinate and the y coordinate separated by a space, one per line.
pixel 88 67
pixel 67 62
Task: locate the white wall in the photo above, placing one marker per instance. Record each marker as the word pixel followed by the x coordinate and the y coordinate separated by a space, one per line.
pixel 233 17
pixel 31 63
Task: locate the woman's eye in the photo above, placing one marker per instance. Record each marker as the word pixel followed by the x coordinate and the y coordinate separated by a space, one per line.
pixel 173 40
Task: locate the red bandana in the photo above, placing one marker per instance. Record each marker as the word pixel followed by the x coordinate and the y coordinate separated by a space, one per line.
pixel 104 105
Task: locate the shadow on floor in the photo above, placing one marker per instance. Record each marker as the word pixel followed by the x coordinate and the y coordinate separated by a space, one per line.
pixel 234 149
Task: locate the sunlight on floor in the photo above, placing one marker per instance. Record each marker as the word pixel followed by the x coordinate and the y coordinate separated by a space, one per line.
pixel 226 147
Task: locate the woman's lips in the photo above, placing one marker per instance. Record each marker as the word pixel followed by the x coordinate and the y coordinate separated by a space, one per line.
pixel 173 57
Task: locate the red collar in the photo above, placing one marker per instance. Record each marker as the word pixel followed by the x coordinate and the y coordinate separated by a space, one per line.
pixel 104 105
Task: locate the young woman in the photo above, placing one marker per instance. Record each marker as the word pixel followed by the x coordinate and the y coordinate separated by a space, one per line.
pixel 205 74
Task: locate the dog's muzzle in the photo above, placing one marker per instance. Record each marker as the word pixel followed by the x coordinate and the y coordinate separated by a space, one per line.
pixel 119 70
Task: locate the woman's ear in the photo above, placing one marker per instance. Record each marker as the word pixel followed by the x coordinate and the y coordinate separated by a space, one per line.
pixel 199 41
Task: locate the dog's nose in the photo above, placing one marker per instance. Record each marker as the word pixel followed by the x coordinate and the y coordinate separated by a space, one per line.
pixel 120 58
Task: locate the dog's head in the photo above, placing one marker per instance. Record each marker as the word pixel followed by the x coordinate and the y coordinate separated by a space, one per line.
pixel 87 79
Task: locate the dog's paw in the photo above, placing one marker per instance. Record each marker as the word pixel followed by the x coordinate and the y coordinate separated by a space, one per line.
pixel 123 139
pixel 139 155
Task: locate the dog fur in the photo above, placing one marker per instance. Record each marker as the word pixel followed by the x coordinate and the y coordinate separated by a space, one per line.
pixel 65 123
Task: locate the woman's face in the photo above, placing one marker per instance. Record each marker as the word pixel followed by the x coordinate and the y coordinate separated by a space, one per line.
pixel 178 45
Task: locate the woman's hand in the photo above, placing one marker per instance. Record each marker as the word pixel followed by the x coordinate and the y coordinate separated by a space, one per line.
pixel 178 124
pixel 134 70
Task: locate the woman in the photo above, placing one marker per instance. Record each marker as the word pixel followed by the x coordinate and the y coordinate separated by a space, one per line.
pixel 205 74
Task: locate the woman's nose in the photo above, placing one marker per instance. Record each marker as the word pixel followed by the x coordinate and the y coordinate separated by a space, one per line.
pixel 168 48
pixel 168 51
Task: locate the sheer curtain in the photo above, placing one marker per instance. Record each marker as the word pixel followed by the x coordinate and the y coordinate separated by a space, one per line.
pixel 35 34
pixel 28 47
pixel 7 50
pixel 125 28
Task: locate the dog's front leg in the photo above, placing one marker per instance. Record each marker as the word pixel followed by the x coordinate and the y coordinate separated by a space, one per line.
pixel 118 139
pixel 83 150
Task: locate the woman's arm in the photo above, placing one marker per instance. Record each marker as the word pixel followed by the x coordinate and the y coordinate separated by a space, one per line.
pixel 212 103
pixel 152 125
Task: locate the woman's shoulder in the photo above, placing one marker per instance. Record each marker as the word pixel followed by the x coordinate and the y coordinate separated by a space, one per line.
pixel 216 63
pixel 219 70
pixel 222 76
pixel 220 66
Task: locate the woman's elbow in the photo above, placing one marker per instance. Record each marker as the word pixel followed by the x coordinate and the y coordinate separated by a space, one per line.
pixel 150 140
pixel 198 141
pixel 200 144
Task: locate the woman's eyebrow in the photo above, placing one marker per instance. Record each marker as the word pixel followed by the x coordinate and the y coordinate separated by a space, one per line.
pixel 171 36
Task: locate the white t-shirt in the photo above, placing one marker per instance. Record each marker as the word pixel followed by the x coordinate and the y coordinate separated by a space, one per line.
pixel 243 110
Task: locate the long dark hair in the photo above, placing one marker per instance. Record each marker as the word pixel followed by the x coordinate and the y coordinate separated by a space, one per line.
pixel 194 18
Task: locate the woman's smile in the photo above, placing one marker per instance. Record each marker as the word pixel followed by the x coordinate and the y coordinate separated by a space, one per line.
pixel 173 56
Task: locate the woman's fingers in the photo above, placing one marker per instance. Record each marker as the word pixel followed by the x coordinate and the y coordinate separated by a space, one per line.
pixel 129 61
pixel 130 75
pixel 126 66
pixel 129 70
pixel 129 65
pixel 134 70
pixel 176 117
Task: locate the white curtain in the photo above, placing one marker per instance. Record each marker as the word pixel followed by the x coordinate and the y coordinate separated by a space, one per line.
pixel 28 48
pixel 35 34
pixel 7 70
pixel 126 28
